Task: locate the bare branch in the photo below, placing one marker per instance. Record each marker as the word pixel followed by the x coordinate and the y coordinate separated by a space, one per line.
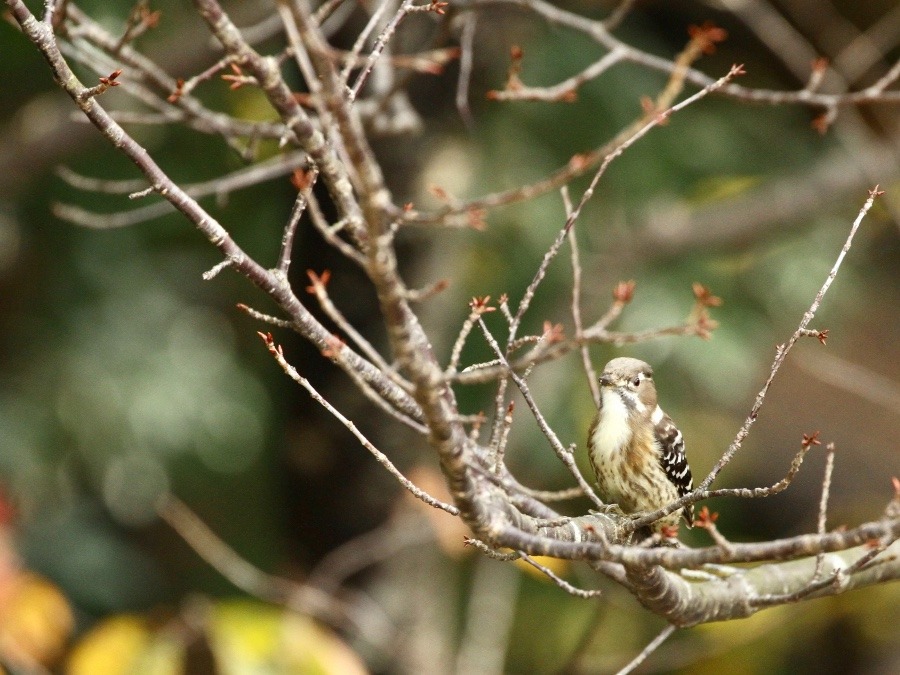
pixel 466 63
pixel 380 44
pixel 367 550
pixel 744 493
pixel 304 182
pixel 648 650
pixel 576 306
pixel 565 454
pixel 562 583
pixel 782 351
pixel 259 316
pixel 490 552
pixel 598 32
pixel 276 351
pixel 317 288
pixel 460 342
pixel 329 123
pixel 303 598
pixel 588 193
pixel 489 619
pixel 843 374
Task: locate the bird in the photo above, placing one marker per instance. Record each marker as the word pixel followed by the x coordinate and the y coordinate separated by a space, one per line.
pixel 635 449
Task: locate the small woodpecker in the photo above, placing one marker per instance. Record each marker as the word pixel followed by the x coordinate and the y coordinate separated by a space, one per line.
pixel 635 448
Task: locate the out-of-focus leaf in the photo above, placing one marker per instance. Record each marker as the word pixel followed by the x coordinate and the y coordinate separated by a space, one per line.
pixel 250 637
pixel 111 648
pixel 310 648
pixel 35 621
pixel 126 645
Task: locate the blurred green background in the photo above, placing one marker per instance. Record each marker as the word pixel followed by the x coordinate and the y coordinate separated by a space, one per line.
pixel 123 374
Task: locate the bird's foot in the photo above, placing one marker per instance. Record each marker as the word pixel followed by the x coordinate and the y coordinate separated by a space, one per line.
pixel 608 509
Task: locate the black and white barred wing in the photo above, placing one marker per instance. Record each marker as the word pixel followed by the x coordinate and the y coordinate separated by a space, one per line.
pixel 673 460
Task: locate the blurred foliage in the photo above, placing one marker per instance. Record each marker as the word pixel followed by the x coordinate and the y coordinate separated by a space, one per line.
pixel 122 374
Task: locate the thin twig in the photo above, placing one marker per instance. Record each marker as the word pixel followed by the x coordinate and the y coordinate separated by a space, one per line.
pixel 562 583
pixel 588 193
pixel 839 577
pixel 220 187
pixel 466 64
pixel 326 9
pixel 186 87
pixel 259 316
pixel 374 396
pixel 360 42
pixel 213 272
pixel 380 44
pixel 565 454
pixel 553 495
pixel 744 493
pixel 886 80
pixel 783 350
pixel 586 364
pixel 427 292
pixel 599 33
pixel 290 230
pixel 302 598
pixel 329 233
pixel 500 450
pixel 460 341
pixel 648 650
pixel 618 14
pixel 823 502
pixel 707 521
pixel 492 370
pixel 491 552
pixel 562 91
pixel 579 164
pixel 489 618
pixel 277 352
pixel 318 288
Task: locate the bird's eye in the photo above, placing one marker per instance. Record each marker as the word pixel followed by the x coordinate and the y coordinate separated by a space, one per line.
pixel 637 380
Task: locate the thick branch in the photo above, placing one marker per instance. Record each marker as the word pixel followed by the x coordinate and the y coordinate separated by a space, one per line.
pixel 740 593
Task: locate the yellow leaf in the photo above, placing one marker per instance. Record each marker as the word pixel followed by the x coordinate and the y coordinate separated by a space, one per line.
pixel 112 647
pixel 35 621
pixel 251 637
pixel 243 634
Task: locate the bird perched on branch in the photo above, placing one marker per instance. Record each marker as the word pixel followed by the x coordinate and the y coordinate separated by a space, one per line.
pixel 635 448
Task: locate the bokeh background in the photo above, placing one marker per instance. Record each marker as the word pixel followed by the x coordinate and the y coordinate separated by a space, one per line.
pixel 124 375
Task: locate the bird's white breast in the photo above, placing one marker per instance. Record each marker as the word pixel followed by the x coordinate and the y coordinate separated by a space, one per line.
pixel 613 431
